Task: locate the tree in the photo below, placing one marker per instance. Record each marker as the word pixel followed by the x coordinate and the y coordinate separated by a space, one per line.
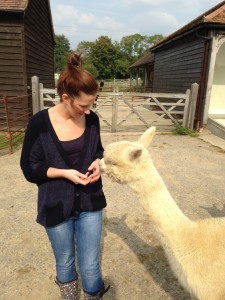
pixel 122 68
pixel 106 60
pixel 155 39
pixel 103 57
pixel 62 52
pixel 85 48
pixel 121 63
pixel 90 68
pixel 136 45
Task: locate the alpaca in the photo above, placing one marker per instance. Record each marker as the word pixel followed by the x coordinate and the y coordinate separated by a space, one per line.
pixel 195 249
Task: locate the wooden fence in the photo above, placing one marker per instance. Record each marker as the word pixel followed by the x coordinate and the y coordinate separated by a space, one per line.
pixel 14 116
pixel 127 111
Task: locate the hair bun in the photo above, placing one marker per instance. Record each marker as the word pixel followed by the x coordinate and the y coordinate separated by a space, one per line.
pixel 74 61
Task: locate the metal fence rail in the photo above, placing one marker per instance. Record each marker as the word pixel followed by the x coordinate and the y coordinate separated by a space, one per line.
pixel 14 116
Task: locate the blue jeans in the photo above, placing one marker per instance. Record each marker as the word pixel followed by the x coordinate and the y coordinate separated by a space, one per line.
pixel 79 236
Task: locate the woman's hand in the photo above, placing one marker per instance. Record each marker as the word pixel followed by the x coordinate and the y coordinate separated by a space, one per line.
pixel 77 177
pixel 94 169
pixel 70 174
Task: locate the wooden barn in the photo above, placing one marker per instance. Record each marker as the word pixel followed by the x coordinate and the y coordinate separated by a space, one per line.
pixel 195 53
pixel 145 63
pixel 26 45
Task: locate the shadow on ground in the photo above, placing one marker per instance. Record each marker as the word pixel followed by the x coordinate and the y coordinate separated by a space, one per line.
pixel 152 257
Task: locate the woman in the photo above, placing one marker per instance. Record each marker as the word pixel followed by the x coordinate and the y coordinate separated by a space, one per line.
pixel 61 153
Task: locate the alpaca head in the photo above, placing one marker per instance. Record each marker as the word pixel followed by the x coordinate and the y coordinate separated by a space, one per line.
pixel 123 161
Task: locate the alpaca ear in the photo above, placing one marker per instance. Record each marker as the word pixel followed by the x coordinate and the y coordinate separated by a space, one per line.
pixel 134 154
pixel 147 137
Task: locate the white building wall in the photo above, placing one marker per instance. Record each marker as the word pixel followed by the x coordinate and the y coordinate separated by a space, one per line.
pixel 217 101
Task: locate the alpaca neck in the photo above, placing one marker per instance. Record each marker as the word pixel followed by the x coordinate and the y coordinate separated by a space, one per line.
pixel 165 215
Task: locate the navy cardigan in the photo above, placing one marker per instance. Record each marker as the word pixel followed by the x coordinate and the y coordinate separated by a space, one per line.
pixel 59 198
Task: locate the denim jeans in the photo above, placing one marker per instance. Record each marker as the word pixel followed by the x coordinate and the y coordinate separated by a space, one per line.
pixel 78 237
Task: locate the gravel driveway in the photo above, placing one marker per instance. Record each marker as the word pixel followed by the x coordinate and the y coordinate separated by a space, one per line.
pixel 133 262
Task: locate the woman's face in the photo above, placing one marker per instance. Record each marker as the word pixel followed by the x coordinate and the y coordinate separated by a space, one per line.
pixel 79 105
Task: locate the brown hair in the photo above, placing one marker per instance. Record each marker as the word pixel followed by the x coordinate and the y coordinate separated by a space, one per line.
pixel 75 79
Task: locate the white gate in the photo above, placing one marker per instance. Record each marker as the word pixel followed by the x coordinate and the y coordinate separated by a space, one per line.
pixel 131 111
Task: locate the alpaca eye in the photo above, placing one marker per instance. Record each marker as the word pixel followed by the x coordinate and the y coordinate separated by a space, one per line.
pixel 111 162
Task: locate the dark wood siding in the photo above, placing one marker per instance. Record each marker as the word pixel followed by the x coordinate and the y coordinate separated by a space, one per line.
pixel 12 80
pixel 179 65
pixel 39 43
pixel 26 48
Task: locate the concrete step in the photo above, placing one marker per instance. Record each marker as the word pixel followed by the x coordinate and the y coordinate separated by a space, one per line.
pixel 217 127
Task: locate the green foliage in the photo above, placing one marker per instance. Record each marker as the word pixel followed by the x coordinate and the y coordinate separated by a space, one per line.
pixel 62 52
pixel 85 48
pixel 181 130
pixel 122 70
pixel 103 58
pixel 91 68
pixel 17 140
pixel 112 60
pixel 136 46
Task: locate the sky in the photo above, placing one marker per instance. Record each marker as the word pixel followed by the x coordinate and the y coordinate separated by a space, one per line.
pixel 87 20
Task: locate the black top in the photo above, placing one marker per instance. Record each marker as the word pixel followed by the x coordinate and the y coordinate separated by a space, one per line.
pixel 58 198
pixel 74 149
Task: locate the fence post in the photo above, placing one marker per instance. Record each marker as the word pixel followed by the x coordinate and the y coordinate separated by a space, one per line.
pixel 193 102
pixel 35 94
pixel 41 96
pixel 114 112
pixel 186 109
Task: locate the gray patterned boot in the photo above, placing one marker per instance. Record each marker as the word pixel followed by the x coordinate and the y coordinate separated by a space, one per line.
pixel 69 290
pixel 99 296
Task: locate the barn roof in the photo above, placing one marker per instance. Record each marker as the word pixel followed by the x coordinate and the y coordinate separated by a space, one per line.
pixel 215 15
pixel 13 5
pixel 147 59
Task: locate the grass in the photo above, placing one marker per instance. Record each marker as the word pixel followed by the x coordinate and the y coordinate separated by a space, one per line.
pixel 4 142
pixel 17 140
pixel 181 130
